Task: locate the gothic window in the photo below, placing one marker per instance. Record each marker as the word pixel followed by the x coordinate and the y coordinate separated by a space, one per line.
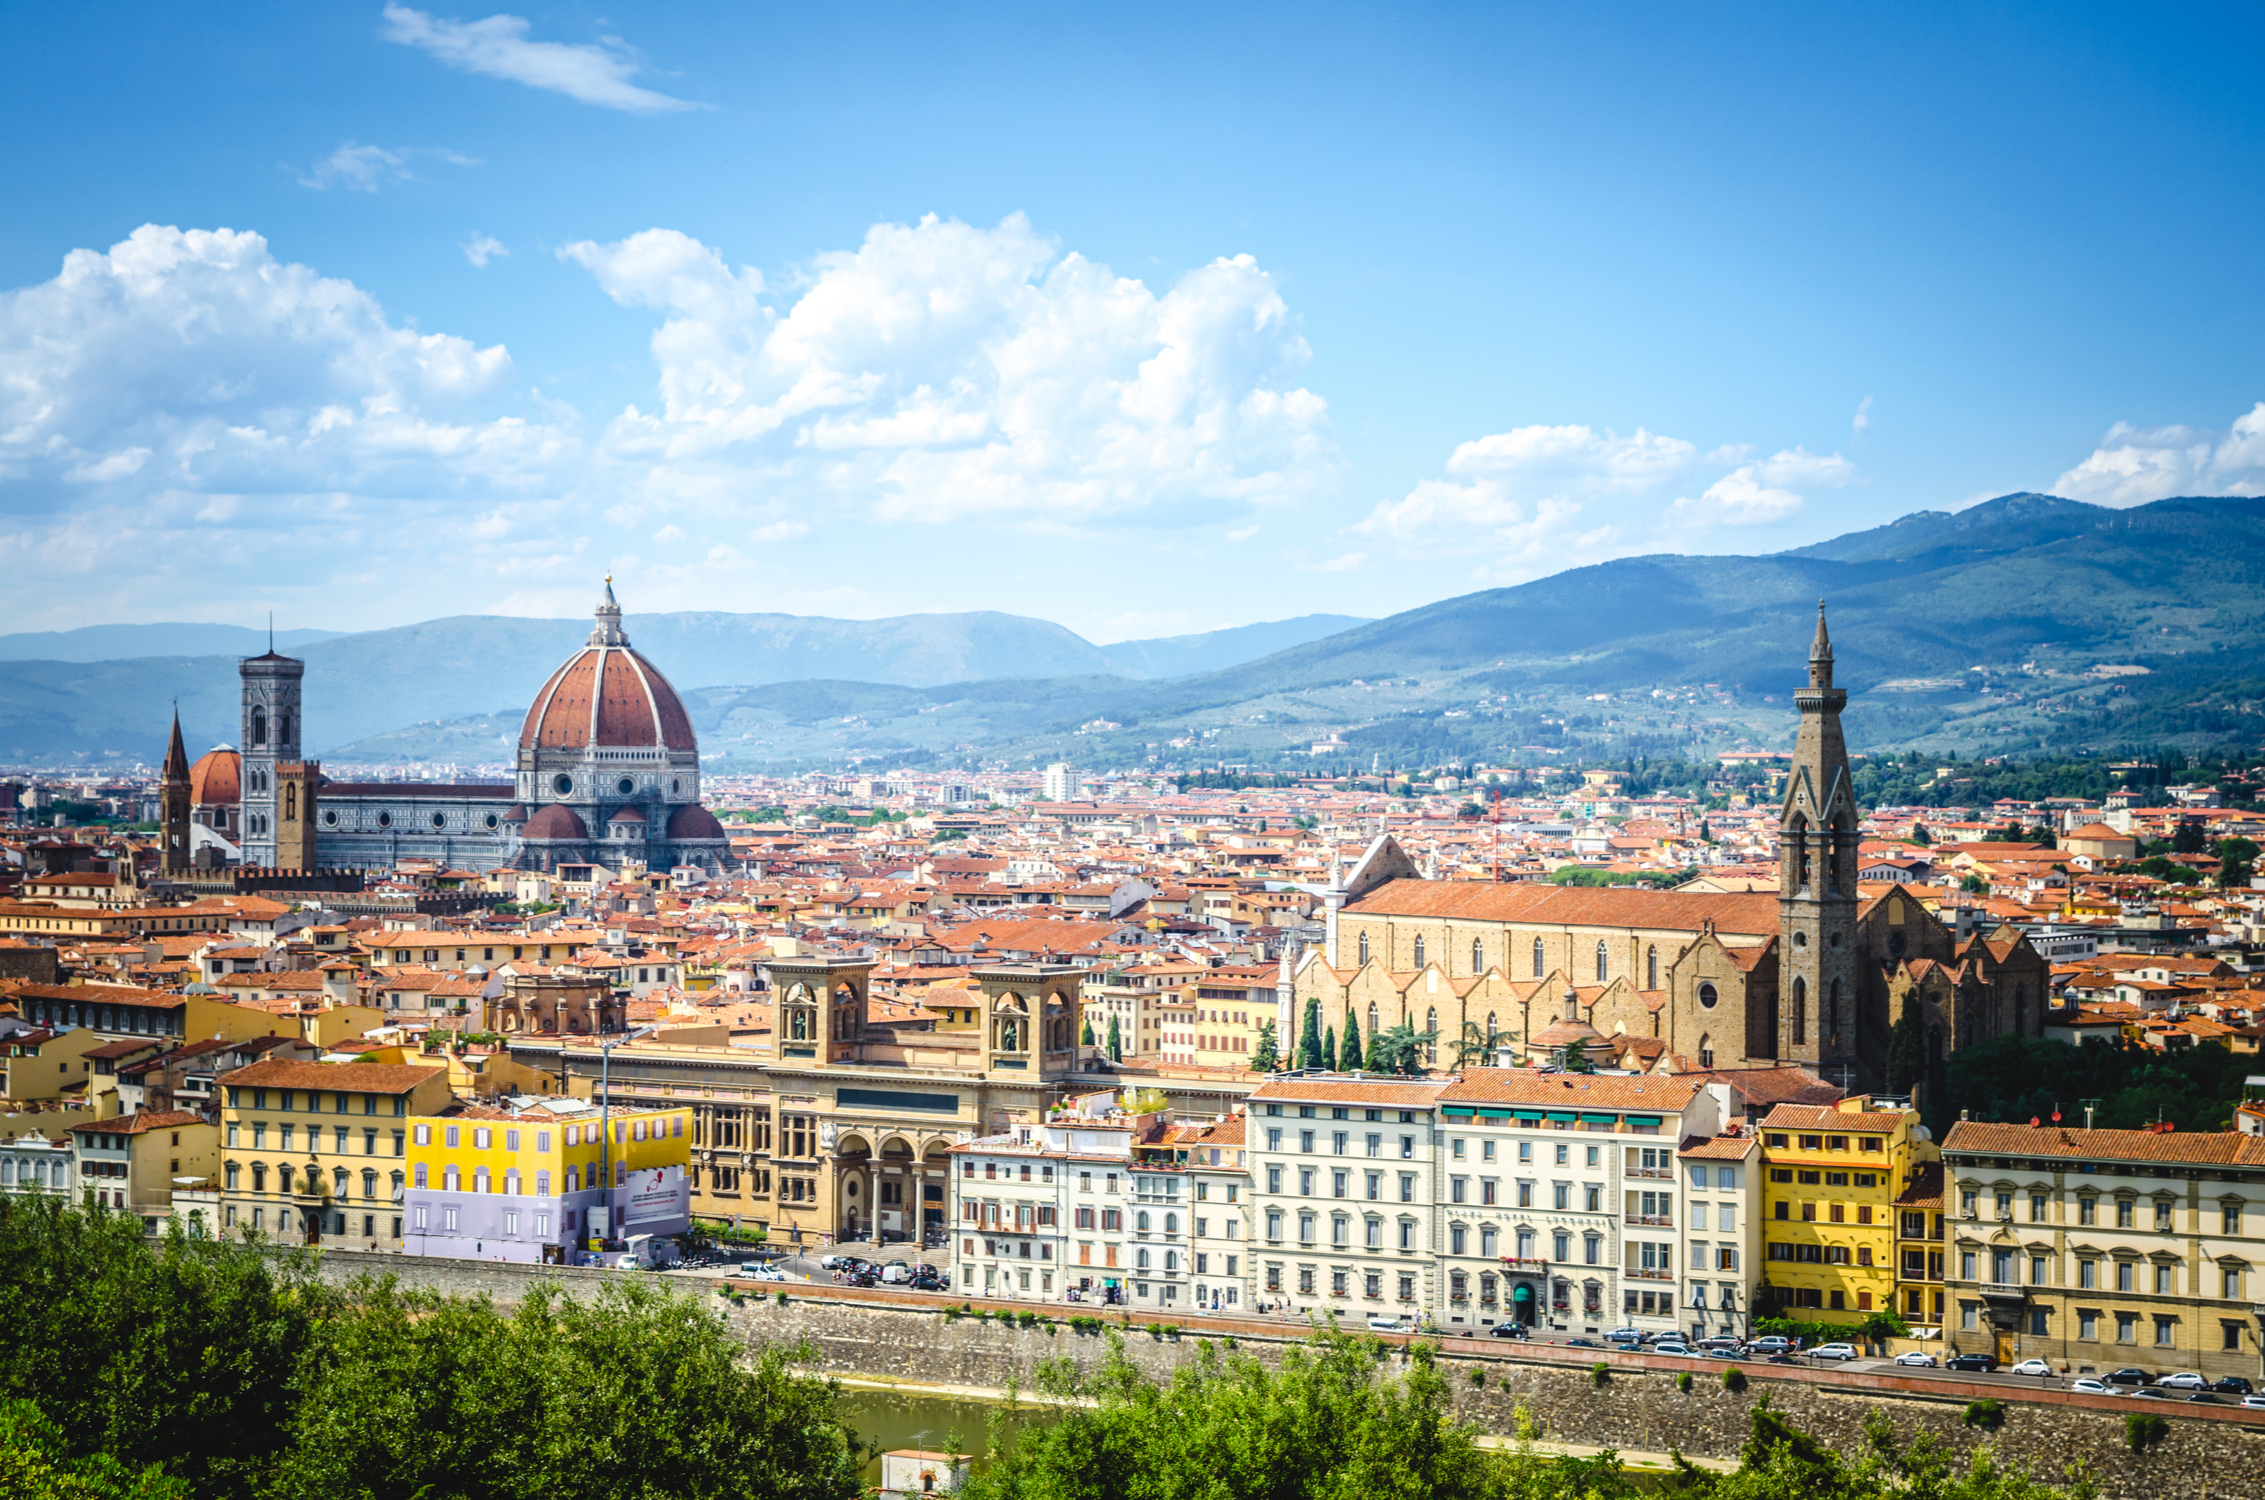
pixel 1800 1009
pixel 1364 947
pixel 1478 956
pixel 259 726
pixel 1372 1018
pixel 287 736
pixel 1651 969
pixel 1604 963
pixel 290 802
pixel 1706 1051
pixel 1490 1033
pixel 1419 952
pixel 1431 1029
pixel 1537 958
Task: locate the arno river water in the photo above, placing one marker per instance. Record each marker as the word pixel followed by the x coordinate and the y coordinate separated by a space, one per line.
pixel 909 1419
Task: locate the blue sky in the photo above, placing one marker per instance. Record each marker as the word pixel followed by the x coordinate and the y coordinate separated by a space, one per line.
pixel 1144 321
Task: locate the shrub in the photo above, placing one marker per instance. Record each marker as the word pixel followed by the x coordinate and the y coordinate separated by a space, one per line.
pixel 782 1299
pixel 1478 1376
pixel 1734 1380
pixel 1683 1380
pixel 1229 1341
pixel 1600 1374
pixel 1986 1414
pixel 2143 1430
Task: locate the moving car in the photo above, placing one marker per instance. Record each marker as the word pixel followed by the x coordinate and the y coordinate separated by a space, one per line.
pixel 2253 1403
pixel 1507 1331
pixel 1720 1344
pixel 2031 1367
pixel 2090 1387
pixel 1384 1324
pixel 1771 1343
pixel 1625 1336
pixel 1918 1358
pixel 2206 1398
pixel 2183 1380
pixel 2232 1385
pixel 2128 1375
pixel 1834 1351
pixel 1583 1344
pixel 1970 1362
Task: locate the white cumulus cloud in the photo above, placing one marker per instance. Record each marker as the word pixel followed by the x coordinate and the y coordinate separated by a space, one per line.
pixel 942 371
pixel 499 47
pixel 1759 493
pixel 2134 465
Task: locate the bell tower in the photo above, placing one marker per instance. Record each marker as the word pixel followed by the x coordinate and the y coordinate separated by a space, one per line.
pixel 270 736
pixel 1816 901
pixel 295 782
pixel 173 806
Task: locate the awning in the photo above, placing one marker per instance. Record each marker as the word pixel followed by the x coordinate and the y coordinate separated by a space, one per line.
pixel 1562 1116
pixel 1600 1119
pixel 1643 1119
pixel 1454 1113
pixel 1529 1116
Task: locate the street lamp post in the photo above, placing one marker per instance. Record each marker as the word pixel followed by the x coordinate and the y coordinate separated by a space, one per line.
pixel 605 1114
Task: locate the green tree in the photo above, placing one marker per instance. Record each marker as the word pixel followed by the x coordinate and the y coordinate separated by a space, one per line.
pixel 1116 1041
pixel 412 1393
pixel 1263 1058
pixel 1329 1049
pixel 1400 1049
pixel 1331 1422
pixel 2188 837
pixel 36 1464
pixel 1577 1057
pixel 1907 1047
pixel 1085 1035
pixel 1921 837
pixel 1349 1053
pixel 1309 1035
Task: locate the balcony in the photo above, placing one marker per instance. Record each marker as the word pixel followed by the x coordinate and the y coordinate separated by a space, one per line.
pixel 1650 1221
pixel 1526 1263
pixel 1640 1273
pixel 1663 1174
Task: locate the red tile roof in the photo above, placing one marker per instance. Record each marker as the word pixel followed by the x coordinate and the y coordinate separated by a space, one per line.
pixel 1572 906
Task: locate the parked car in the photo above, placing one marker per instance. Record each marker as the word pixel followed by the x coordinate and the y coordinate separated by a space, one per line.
pixel 896 1275
pixel 1676 1347
pixel 2147 1391
pixel 2031 1367
pixel 1771 1343
pixel 2090 1387
pixel 2206 1397
pixel 928 1282
pixel 1583 1344
pixel 2183 1380
pixel 1834 1351
pixel 2128 1375
pixel 1383 1324
pixel 1970 1362
pixel 1916 1358
pixel 758 1271
pixel 1722 1344
pixel 1508 1331
pixel 2253 1403
pixel 835 1262
pixel 1625 1336
pixel 2232 1385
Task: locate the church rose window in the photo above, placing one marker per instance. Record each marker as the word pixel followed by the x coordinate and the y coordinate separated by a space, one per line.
pixel 385 820
pixel 1707 996
pixel 625 786
pixel 562 784
pixel 491 820
pixel 440 820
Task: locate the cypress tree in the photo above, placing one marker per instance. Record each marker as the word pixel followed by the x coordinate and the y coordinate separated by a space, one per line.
pixel 1329 1049
pixel 1351 1055
pixel 1116 1042
pixel 1907 1048
pixel 1309 1035
pixel 1085 1038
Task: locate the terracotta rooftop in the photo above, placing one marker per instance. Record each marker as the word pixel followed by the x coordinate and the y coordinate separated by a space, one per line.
pixel 2222 1147
pixel 1815 1117
pixel 1572 906
pixel 1570 1090
pixel 353 1078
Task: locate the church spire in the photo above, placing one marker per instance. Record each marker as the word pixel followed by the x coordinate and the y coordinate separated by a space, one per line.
pixel 1820 653
pixel 176 766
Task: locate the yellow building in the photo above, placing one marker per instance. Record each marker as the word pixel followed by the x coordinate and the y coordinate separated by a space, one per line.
pixel 43 1065
pixel 534 1184
pixel 1832 1176
pixel 318 1151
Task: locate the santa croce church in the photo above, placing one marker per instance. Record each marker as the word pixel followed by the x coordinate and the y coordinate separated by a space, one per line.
pixel 1812 975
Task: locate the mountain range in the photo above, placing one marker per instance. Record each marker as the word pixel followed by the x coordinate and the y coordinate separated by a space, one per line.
pixel 2025 620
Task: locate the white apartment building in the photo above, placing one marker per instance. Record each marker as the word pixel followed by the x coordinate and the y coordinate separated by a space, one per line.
pixel 1344 1179
pixel 1219 1214
pixel 31 1163
pixel 1722 1219
pixel 1558 1202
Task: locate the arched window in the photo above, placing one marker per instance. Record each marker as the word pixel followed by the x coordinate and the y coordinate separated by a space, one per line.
pixel 1364 947
pixel 1431 1029
pixel 1490 1032
pixel 1478 956
pixel 1419 951
pixel 1651 968
pixel 1800 1009
pixel 1537 958
pixel 259 725
pixel 1171 1223
pixel 1372 1018
pixel 1604 963
pixel 1140 1260
pixel 1171 1260
pixel 290 801
pixel 1140 1221
pixel 1706 1051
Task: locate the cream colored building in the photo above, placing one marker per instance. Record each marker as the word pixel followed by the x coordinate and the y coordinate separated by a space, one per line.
pixel 2103 1248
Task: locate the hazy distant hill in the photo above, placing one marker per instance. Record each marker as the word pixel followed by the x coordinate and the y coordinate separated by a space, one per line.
pixel 2024 581
pixel 381 685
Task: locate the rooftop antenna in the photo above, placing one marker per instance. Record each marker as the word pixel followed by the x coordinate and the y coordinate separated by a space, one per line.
pixel 271 632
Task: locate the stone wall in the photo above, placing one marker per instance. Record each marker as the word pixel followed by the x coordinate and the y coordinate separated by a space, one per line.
pixel 895 1336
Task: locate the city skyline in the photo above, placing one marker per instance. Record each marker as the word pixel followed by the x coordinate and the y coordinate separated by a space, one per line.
pixel 1348 316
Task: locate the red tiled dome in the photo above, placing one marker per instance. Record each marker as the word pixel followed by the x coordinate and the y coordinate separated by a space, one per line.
pixel 217 777
pixel 692 821
pixel 607 696
pixel 555 822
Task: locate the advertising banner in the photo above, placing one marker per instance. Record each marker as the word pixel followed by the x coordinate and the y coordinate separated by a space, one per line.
pixel 657 1193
